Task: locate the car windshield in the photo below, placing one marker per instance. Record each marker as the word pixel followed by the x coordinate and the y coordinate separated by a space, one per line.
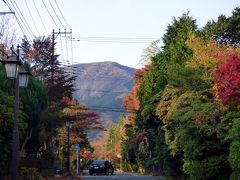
pixel 98 162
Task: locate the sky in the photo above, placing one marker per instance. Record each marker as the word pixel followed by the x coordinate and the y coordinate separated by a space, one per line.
pixel 107 30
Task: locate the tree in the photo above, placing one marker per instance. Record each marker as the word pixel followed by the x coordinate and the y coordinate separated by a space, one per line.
pixel 207 54
pixel 227 80
pixel 7 33
pixel 82 120
pixel 32 103
pixel 58 83
pixel 6 111
pixel 46 67
pixel 225 31
pixel 194 130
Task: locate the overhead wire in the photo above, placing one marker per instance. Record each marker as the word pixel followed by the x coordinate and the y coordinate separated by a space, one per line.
pixel 99 91
pixel 18 10
pixel 61 48
pixel 66 45
pixel 32 17
pixel 71 49
pixel 56 14
pixel 111 109
pixel 62 14
pixel 76 69
pixel 50 14
pixel 40 16
pixel 18 21
pixel 113 39
pixel 71 46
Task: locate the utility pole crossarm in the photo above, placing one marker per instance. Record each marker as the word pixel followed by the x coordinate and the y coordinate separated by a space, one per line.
pixel 62 32
pixel 4 13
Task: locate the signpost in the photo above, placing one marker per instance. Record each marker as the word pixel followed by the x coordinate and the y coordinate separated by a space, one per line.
pixel 77 149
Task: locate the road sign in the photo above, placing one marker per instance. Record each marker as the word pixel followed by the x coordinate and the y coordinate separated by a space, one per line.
pixel 76 147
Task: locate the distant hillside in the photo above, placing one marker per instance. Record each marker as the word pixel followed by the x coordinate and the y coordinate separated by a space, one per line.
pixel 101 86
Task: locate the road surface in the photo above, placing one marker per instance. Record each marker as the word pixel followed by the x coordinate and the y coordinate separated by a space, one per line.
pixel 120 176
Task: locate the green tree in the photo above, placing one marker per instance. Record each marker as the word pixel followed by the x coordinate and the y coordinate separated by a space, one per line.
pixel 225 30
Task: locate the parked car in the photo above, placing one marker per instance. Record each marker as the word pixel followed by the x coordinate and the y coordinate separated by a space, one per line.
pixel 58 172
pixel 101 166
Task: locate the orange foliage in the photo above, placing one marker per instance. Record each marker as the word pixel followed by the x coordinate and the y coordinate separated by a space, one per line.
pixel 98 145
pixel 207 55
pixel 131 102
pixel 82 121
pixel 67 101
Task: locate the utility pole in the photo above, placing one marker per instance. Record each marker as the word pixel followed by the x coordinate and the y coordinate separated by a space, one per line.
pixel 69 126
pixel 53 44
pixel 52 59
pixel 68 147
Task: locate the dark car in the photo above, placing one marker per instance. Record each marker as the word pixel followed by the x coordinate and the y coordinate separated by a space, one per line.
pixel 101 166
pixel 58 172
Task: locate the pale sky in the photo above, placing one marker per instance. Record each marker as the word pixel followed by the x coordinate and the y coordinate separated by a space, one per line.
pixel 119 20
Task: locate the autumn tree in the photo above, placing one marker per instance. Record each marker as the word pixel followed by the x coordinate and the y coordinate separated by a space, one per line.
pixel 58 83
pixel 82 122
pixel 227 80
pixel 47 68
pixel 7 33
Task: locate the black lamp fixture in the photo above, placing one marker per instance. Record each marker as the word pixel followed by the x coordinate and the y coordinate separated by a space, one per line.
pixel 14 68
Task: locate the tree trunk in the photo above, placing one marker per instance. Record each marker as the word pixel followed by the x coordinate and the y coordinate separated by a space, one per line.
pixel 25 142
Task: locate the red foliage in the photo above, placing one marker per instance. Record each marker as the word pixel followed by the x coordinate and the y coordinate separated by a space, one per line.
pixel 86 153
pixel 227 80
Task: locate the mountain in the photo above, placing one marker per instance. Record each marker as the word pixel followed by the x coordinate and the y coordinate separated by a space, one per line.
pixel 101 86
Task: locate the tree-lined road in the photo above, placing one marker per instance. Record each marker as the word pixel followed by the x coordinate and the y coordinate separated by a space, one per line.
pixel 121 176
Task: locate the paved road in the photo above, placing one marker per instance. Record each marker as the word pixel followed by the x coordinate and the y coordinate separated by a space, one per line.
pixel 120 176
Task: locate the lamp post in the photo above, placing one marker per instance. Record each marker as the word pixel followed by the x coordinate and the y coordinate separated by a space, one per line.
pixel 120 162
pixel 69 126
pixel 12 66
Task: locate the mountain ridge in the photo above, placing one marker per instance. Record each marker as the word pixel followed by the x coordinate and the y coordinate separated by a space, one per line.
pixel 101 86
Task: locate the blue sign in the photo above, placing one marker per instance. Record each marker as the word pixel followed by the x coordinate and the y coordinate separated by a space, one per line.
pixel 76 147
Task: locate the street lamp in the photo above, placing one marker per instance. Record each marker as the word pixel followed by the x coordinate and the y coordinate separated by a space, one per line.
pixel 69 126
pixel 12 66
pixel 23 78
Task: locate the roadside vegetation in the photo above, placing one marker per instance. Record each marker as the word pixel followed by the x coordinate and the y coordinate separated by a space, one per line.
pixel 183 112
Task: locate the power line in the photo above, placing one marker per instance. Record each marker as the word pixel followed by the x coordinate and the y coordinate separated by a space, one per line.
pixel 71 47
pixel 18 21
pixel 111 109
pixel 56 14
pixel 62 14
pixel 32 17
pixel 40 16
pixel 91 90
pixel 114 39
pixel 66 45
pixel 23 18
pixel 50 14
pixel 61 47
